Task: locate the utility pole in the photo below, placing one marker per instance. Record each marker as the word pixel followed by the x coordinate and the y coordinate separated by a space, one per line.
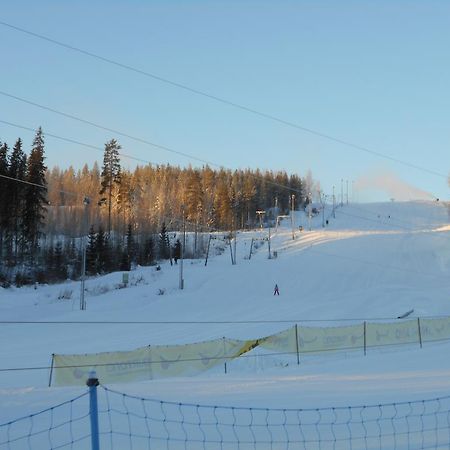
pixel 182 252
pixel 334 205
pixel 322 201
pixel 347 192
pixel 309 211
pixel 342 192
pixel 260 214
pixel 292 215
pixel 86 203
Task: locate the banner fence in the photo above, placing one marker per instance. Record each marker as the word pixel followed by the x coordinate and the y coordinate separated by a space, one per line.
pixel 162 361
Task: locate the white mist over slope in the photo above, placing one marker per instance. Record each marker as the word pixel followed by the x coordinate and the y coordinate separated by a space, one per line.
pixel 390 183
pixel 371 261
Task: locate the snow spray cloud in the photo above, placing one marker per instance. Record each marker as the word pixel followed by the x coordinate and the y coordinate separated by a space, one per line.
pixel 388 182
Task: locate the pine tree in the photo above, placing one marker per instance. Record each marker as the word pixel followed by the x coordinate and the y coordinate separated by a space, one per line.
pixel 110 175
pixel 35 194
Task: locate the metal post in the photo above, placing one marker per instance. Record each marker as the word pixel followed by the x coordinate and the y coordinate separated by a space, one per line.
pixel 309 211
pixel 51 371
pixel 234 244
pixel 420 332
pixel 86 203
pixel 365 338
pixel 182 253
pixel 322 200
pixel 251 247
pixel 224 355
pixel 334 205
pixel 207 251
pixel 296 344
pixel 270 255
pixel 292 215
pixel 92 383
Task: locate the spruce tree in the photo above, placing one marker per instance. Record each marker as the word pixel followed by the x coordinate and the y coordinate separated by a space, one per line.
pixel 35 194
pixel 91 252
pixel 110 175
pixel 130 245
pixel 60 262
pixel 103 251
pixel 15 192
pixel 4 203
pixel 147 254
pixel 164 245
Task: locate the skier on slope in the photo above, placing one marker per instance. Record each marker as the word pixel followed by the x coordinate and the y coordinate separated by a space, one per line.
pixel 276 290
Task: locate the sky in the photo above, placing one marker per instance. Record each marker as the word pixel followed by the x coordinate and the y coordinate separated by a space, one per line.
pixel 372 74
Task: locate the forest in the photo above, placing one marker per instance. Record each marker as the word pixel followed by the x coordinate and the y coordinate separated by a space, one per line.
pixel 124 217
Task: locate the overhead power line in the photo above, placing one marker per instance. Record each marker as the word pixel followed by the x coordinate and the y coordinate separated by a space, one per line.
pixel 223 100
pixel 73 141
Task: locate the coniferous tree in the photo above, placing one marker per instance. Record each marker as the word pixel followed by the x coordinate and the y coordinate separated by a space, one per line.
pixel 104 263
pixel 4 203
pixel 164 244
pixel 110 175
pixel 91 252
pixel 147 254
pixel 16 194
pixel 35 194
pixel 60 263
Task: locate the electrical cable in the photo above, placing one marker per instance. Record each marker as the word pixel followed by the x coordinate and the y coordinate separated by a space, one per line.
pixel 222 100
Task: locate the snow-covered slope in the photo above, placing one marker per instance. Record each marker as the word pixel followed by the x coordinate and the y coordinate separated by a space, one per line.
pixel 370 261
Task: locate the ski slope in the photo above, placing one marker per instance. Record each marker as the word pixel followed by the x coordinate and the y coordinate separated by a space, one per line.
pixel 372 261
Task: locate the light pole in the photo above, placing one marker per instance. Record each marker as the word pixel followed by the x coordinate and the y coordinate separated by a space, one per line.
pixel 292 215
pixel 86 203
pixel 347 191
pixel 342 192
pixel 309 210
pixel 260 214
pixel 182 253
pixel 334 205
pixel 322 202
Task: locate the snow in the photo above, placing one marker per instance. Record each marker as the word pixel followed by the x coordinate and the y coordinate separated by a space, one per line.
pixel 372 261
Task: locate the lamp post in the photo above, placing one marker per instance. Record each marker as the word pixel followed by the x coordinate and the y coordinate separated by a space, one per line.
pixel 334 205
pixel 292 215
pixel 86 202
pixel 182 252
pixel 309 210
pixel 322 197
pixel 260 214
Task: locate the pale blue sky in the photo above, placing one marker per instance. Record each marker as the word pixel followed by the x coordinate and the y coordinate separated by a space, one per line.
pixel 374 73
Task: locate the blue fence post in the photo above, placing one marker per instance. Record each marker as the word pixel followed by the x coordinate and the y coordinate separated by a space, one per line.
pixel 92 382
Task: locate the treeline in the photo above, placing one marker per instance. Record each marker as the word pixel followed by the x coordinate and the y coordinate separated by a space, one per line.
pixel 126 214
pixel 23 203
